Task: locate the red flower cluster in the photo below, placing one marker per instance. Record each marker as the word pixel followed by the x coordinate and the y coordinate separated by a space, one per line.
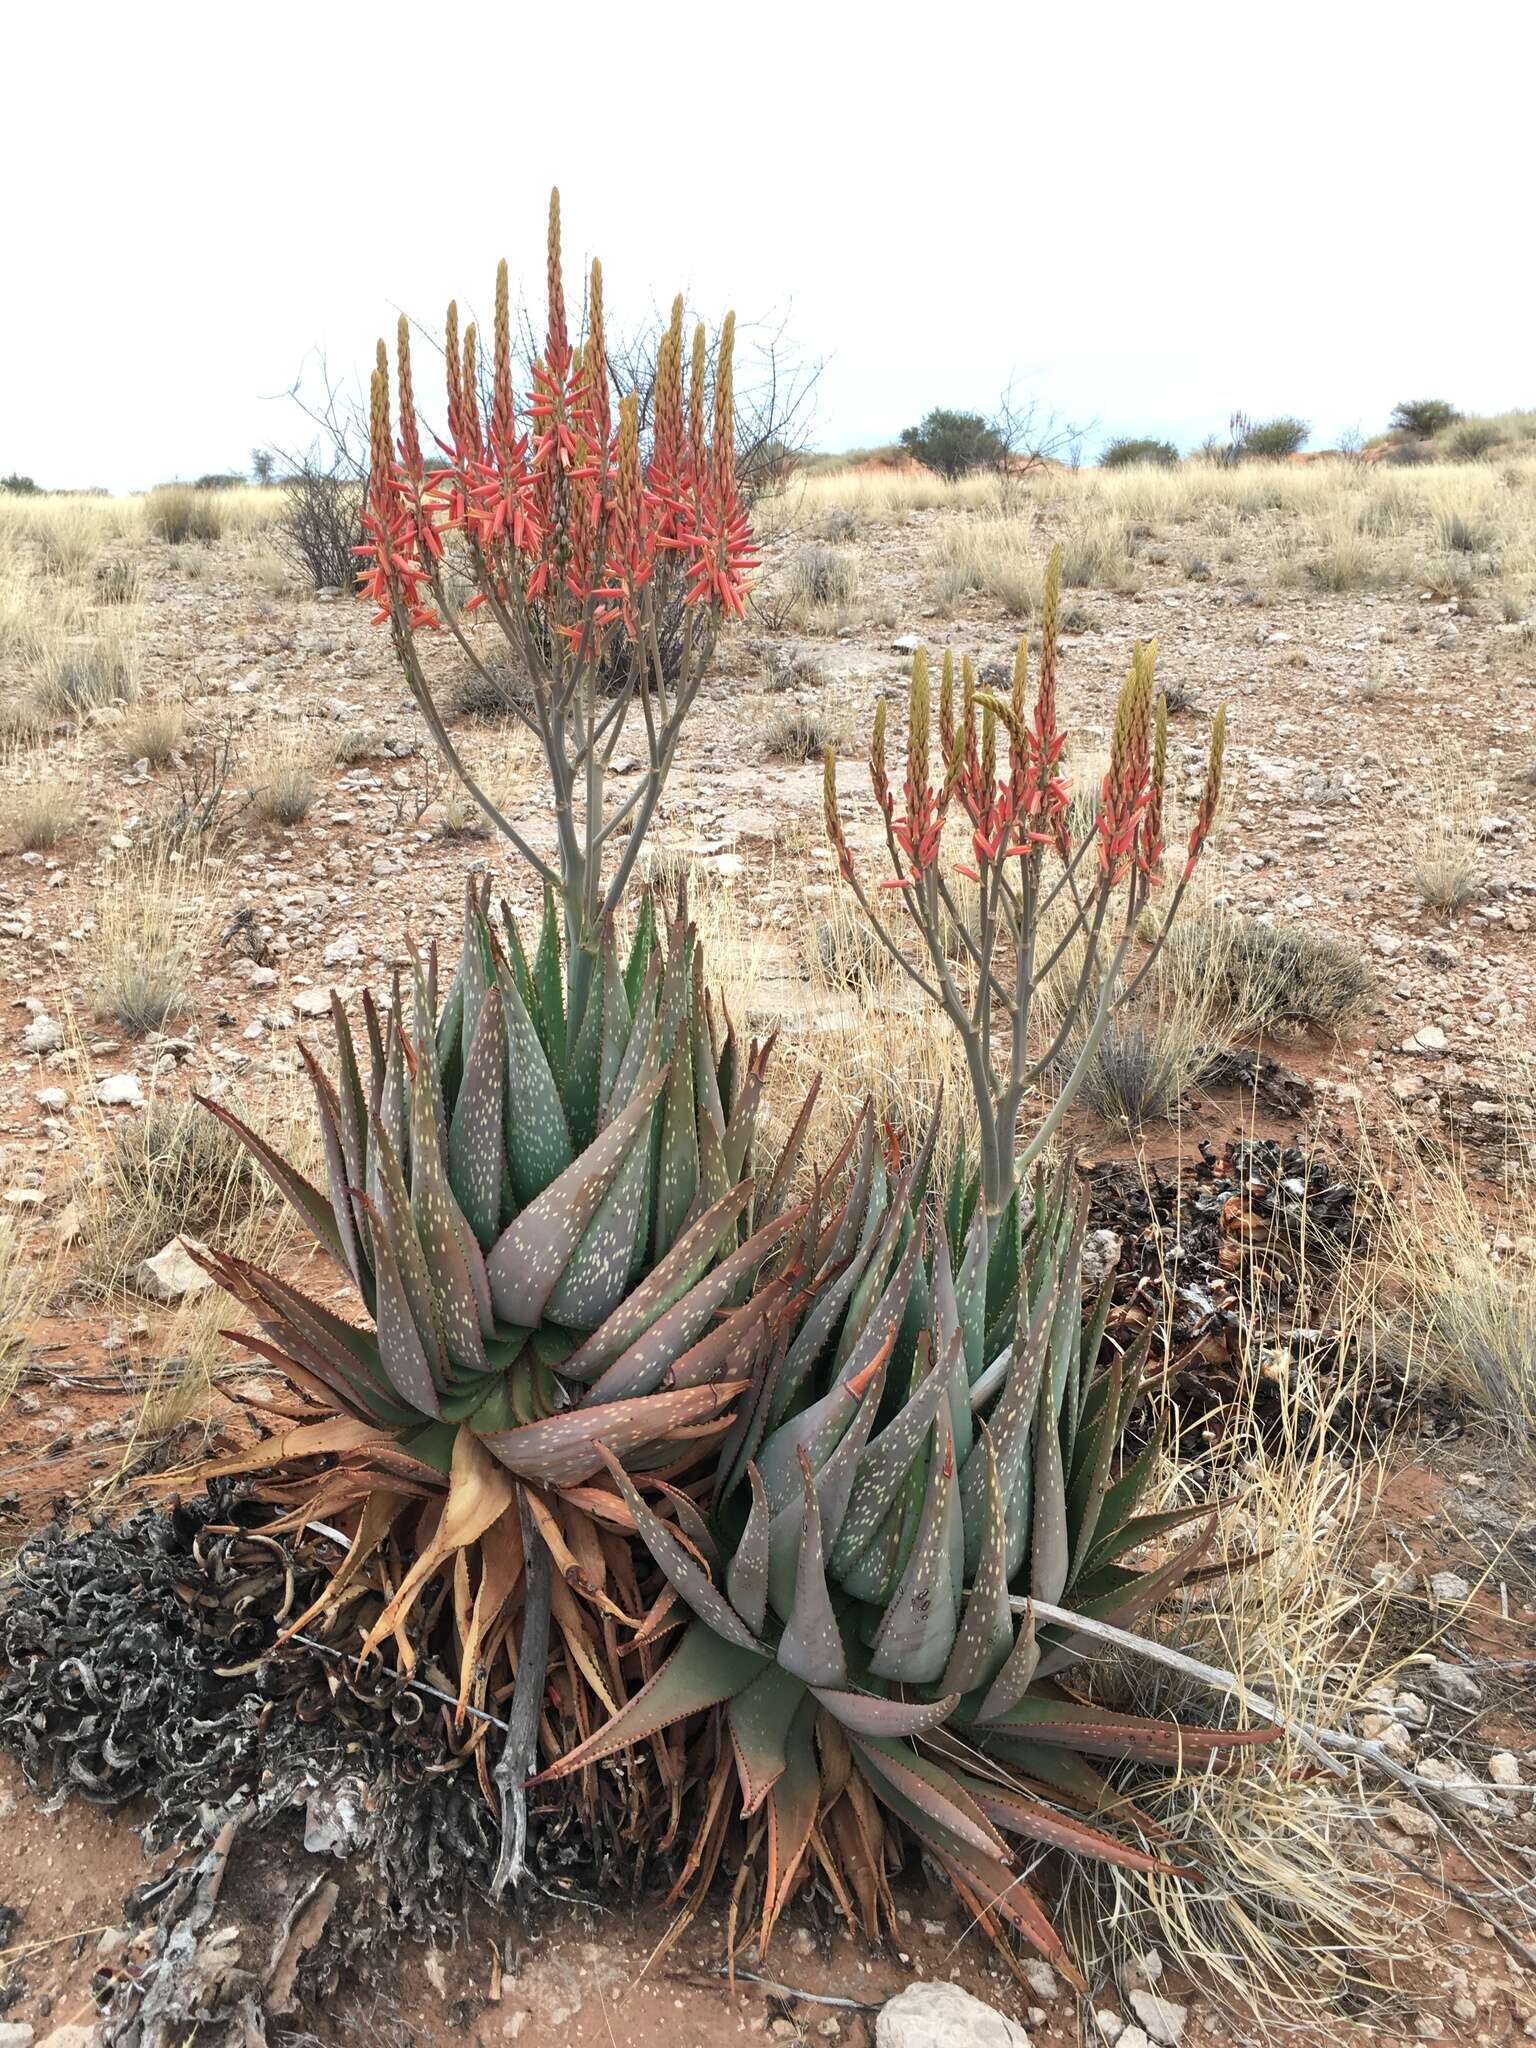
pixel 555 502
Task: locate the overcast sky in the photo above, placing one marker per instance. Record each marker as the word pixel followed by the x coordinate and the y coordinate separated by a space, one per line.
pixel 1147 216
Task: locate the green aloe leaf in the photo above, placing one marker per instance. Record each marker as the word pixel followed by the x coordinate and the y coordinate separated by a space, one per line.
pixel 746 1571
pixel 343 1208
pixel 402 1351
pixel 883 1472
pixel 560 1450
pixel 701 1672
pixel 1049 1556
pixel 582 1085
pixel 531 1255
pixel 682 1570
pixel 538 1142
pixel 812 1644
pixel 476 1138
pixel 409 1265
pixel 922 1790
pixel 866 1713
pixel 302 1195
pixel 653 1356
pixel 917 1630
pixel 641 950
pixel 759 1718
pixel 985 1635
pixel 548 984
pixel 1017 1673
pixel 668 1281
pixel 677 1181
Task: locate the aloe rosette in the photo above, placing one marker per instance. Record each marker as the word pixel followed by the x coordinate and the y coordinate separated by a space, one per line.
pixel 555 1226
pixel 892 1500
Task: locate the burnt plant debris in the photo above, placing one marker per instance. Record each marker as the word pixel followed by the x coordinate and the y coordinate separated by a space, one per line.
pixel 141 1664
pixel 1251 1239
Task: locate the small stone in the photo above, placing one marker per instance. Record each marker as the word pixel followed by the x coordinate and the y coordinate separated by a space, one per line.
pixel 171 1274
pixel 1162 2018
pixel 120 1091
pixel 1101 1255
pixel 1042 1979
pixel 944 2016
pixel 52 1099
pixel 15 2034
pixel 313 1002
pixel 1504 1768
pixel 1451 1682
pixel 1109 2024
pixel 1450 1587
pixel 1134 2037
pixel 348 947
pixel 1428 1038
pixel 43 1034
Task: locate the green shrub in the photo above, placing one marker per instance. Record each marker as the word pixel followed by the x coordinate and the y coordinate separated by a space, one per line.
pixel 1274 440
pixel 954 443
pixel 1128 451
pixel 1424 417
pixel 1474 439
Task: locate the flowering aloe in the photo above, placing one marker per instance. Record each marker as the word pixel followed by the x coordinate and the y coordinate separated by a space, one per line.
pixel 595 546
pixel 891 1502
pixel 1034 895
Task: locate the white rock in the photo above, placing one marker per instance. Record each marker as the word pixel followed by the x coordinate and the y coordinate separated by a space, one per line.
pixel 1450 1587
pixel 43 1034
pixel 1109 2024
pixel 120 1091
pixel 348 947
pixel 15 2034
pixel 944 2016
pixel 1101 1255
pixel 1042 1979
pixel 313 1002
pixel 1428 1038
pixel 52 1099
pixel 1162 2018
pixel 171 1274
pixel 1452 1683
pixel 1504 1768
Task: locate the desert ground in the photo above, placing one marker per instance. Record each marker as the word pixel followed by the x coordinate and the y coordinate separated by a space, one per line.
pixel 219 804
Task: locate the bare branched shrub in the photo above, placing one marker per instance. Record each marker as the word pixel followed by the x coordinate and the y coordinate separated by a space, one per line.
pixel 321 523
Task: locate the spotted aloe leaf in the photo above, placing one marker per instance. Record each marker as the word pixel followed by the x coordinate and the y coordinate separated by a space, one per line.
pixel 746 1571
pixel 538 1140
pixel 917 1629
pixel 548 984
pixel 561 1449
pixel 402 1350
pixel 313 1207
pixel 812 1644
pixel 683 1571
pixel 532 1254
pixel 759 1718
pixel 476 1145
pixel 701 1672
pixel 985 1635
pixel 1095 1731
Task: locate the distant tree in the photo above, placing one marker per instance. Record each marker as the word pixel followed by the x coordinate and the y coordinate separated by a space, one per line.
pixel 220 480
pixel 1424 417
pixel 263 463
pixel 18 486
pixel 1273 440
pixel 954 443
pixel 1129 450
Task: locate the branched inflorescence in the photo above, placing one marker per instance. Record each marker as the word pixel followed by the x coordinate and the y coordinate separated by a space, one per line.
pixel 579 535
pixel 1039 900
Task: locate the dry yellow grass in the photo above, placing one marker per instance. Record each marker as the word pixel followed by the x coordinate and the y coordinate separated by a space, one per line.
pixel 153 923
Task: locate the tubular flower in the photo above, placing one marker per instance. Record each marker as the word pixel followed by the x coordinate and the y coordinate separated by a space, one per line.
pixel 1127 782
pixel 833 816
pixel 1149 840
pixel 562 506
pixel 1210 796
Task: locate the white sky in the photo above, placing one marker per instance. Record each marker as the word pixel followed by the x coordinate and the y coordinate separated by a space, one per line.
pixel 1149 215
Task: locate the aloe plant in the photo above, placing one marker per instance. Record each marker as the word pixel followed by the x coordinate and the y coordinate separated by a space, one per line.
pixel 891 1500
pixel 555 1238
